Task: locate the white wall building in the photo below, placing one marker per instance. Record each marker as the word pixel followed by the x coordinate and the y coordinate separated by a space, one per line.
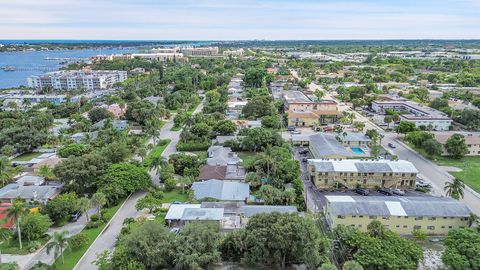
pixel 69 80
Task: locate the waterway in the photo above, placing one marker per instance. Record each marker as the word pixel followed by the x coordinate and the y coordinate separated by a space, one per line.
pixel 34 63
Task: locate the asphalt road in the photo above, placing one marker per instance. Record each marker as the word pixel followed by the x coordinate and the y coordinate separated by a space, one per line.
pixel 106 240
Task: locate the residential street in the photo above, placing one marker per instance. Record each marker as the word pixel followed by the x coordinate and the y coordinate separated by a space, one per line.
pixel 106 240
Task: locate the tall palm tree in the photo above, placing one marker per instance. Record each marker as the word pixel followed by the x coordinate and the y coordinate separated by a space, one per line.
pixel 455 189
pixel 15 213
pixel 186 181
pixel 84 205
pixel 142 152
pixel 157 163
pixel 472 219
pixel 59 243
pixel 98 200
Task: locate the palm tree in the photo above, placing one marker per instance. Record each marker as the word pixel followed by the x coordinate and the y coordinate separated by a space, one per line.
pixel 455 189
pixel 15 213
pixel 142 152
pixel 98 200
pixel 7 171
pixel 46 172
pixel 59 243
pixel 472 219
pixel 186 181
pixel 157 163
pixel 84 205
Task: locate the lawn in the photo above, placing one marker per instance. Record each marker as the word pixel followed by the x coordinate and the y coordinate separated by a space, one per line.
pixel 174 128
pixel 469 165
pixel 175 195
pixel 27 156
pixel 156 152
pixel 12 247
pixel 73 256
pixel 247 157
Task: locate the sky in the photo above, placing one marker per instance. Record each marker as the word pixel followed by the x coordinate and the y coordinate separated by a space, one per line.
pixel 239 19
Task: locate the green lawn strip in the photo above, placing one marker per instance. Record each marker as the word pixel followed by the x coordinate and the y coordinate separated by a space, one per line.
pixel 27 156
pixel 73 256
pixel 469 165
pixel 247 157
pixel 175 195
pixel 11 246
pixel 156 152
pixel 175 128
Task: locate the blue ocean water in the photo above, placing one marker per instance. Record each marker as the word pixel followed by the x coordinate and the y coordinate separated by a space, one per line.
pixel 34 63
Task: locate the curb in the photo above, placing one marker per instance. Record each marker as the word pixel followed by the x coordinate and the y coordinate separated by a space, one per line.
pixel 103 230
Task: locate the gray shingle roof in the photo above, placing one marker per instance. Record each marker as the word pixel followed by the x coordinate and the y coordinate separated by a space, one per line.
pixel 221 190
pixel 397 206
pixel 40 193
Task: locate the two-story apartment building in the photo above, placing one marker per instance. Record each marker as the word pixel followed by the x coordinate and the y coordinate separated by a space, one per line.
pixel 433 215
pixel 302 111
pixel 351 173
pixel 472 140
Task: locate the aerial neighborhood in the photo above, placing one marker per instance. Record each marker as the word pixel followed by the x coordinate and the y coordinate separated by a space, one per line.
pixel 243 155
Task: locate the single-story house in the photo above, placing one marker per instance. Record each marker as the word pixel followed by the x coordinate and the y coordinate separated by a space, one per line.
pixel 221 190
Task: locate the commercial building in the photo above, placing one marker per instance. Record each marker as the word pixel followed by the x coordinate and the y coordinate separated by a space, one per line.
pixel 331 146
pixel 163 57
pixel 351 173
pixel 417 113
pixel 472 140
pixel 302 111
pixel 201 51
pixel 434 215
pixel 69 80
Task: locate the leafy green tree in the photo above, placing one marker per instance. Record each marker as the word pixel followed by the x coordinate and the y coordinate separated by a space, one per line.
pixel 432 147
pixel 141 112
pixel 186 165
pixel 35 226
pixel 259 138
pixel 7 150
pixel 197 246
pixel 455 189
pixel 7 172
pixel 150 243
pixel 16 213
pixel 352 265
pixel 59 244
pixel 456 146
pixel 61 207
pixel 327 266
pixel 74 149
pixel 404 127
pixel 255 76
pixel 201 131
pixel 277 240
pixel 258 108
pixel 225 127
pixel 150 202
pixel 169 184
pixel 81 174
pixel 271 121
pixel 98 113
pixel 462 249
pixel 418 137
pixel 186 181
pixel 46 172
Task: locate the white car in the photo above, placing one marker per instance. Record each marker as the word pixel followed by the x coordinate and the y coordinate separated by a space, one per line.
pixel 422 183
pixel 295 132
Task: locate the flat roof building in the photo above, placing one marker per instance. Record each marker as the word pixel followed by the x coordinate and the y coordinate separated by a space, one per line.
pixel 350 173
pixel 77 79
pixel 434 215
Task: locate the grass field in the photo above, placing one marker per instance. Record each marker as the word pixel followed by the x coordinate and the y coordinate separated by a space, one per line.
pixel 156 152
pixel 27 156
pixel 175 195
pixel 73 256
pixel 11 246
pixel 247 157
pixel 470 166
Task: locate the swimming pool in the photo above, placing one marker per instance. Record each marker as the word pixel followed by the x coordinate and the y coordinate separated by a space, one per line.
pixel 358 151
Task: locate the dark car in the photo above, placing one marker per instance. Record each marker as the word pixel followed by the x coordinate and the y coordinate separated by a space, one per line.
pixel 362 191
pixel 385 191
pixel 391 145
pixel 291 128
pixel 75 216
pixel 303 152
pixel 304 159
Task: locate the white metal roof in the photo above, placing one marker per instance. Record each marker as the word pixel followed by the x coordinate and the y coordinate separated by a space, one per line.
pixel 176 210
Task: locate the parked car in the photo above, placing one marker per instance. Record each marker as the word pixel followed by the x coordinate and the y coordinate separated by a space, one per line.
pixel 422 183
pixel 295 132
pixel 362 191
pixel 398 192
pixel 291 128
pixel 304 159
pixel 391 145
pixel 303 152
pixel 385 191
pixel 75 216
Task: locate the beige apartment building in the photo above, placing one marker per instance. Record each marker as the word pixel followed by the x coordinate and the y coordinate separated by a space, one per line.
pixel 471 140
pixel 302 111
pixel 352 173
pixel 433 215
